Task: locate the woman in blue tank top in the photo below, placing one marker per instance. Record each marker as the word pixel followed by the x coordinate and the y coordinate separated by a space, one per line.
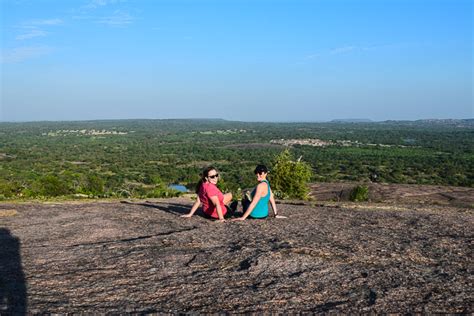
pixel 260 196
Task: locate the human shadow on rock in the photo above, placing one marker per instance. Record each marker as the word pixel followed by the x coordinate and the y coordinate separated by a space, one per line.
pixel 172 208
pixel 179 209
pixel 12 279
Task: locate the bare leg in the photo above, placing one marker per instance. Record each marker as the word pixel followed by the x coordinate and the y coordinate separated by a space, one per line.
pixel 227 198
pixel 231 206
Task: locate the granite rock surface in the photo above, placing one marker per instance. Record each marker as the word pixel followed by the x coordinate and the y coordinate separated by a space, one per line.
pixel 141 256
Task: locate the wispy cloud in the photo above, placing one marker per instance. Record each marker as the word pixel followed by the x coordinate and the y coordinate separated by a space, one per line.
pixel 17 55
pixel 94 4
pixel 118 18
pixel 34 28
pixel 334 51
pixel 342 50
pixel 312 56
pixel 45 22
pixel 31 34
pixel 356 49
pixel 96 12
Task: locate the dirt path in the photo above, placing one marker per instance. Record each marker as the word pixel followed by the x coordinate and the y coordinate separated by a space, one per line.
pixel 142 257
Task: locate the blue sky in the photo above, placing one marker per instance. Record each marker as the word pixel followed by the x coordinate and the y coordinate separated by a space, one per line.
pixel 250 60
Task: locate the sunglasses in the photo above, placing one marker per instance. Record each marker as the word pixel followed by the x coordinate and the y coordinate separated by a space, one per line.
pixel 214 176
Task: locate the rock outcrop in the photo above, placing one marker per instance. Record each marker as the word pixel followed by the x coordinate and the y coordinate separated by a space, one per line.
pixel 142 257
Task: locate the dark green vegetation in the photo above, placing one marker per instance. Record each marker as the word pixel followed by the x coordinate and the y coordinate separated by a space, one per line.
pixel 359 194
pixel 290 177
pixel 139 158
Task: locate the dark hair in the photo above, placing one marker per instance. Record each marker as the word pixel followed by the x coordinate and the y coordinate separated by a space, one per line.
pixel 260 169
pixel 204 174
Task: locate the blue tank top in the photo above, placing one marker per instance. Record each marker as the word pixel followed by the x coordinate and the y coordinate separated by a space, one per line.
pixel 261 209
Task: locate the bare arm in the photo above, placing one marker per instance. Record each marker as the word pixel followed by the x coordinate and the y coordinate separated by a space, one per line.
pixel 256 198
pixel 194 208
pixel 215 201
pixel 272 202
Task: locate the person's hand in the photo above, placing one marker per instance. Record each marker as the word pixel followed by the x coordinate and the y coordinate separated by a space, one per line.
pixel 280 216
pixel 186 215
pixel 221 220
pixel 238 219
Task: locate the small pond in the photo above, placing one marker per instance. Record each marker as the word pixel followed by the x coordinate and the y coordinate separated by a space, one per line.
pixel 178 187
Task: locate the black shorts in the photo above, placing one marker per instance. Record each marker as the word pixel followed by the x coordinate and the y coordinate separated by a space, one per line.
pixel 229 214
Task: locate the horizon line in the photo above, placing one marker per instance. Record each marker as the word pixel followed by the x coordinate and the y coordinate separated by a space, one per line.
pixel 336 120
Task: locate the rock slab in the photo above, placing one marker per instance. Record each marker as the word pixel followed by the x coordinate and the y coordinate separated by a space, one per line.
pixel 141 257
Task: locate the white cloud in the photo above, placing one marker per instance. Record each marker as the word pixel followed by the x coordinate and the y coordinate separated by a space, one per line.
pixel 33 28
pixel 31 34
pixel 94 4
pixel 342 50
pixel 335 51
pixel 118 18
pixel 43 22
pixel 50 22
pixel 82 17
pixel 312 56
pixel 19 54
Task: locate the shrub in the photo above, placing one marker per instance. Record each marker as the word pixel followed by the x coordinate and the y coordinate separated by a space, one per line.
pixel 49 185
pixel 163 193
pixel 289 178
pixel 359 194
pixel 93 185
pixel 8 189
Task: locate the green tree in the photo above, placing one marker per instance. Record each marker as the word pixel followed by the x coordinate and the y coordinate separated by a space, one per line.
pixel 8 189
pixel 289 177
pixel 359 194
pixel 93 185
pixel 50 185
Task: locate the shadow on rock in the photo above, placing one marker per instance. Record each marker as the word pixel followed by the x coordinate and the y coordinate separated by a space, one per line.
pixel 12 280
pixel 172 208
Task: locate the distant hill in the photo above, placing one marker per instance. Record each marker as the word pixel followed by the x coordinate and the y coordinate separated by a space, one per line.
pixel 445 122
pixel 437 122
pixel 356 120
